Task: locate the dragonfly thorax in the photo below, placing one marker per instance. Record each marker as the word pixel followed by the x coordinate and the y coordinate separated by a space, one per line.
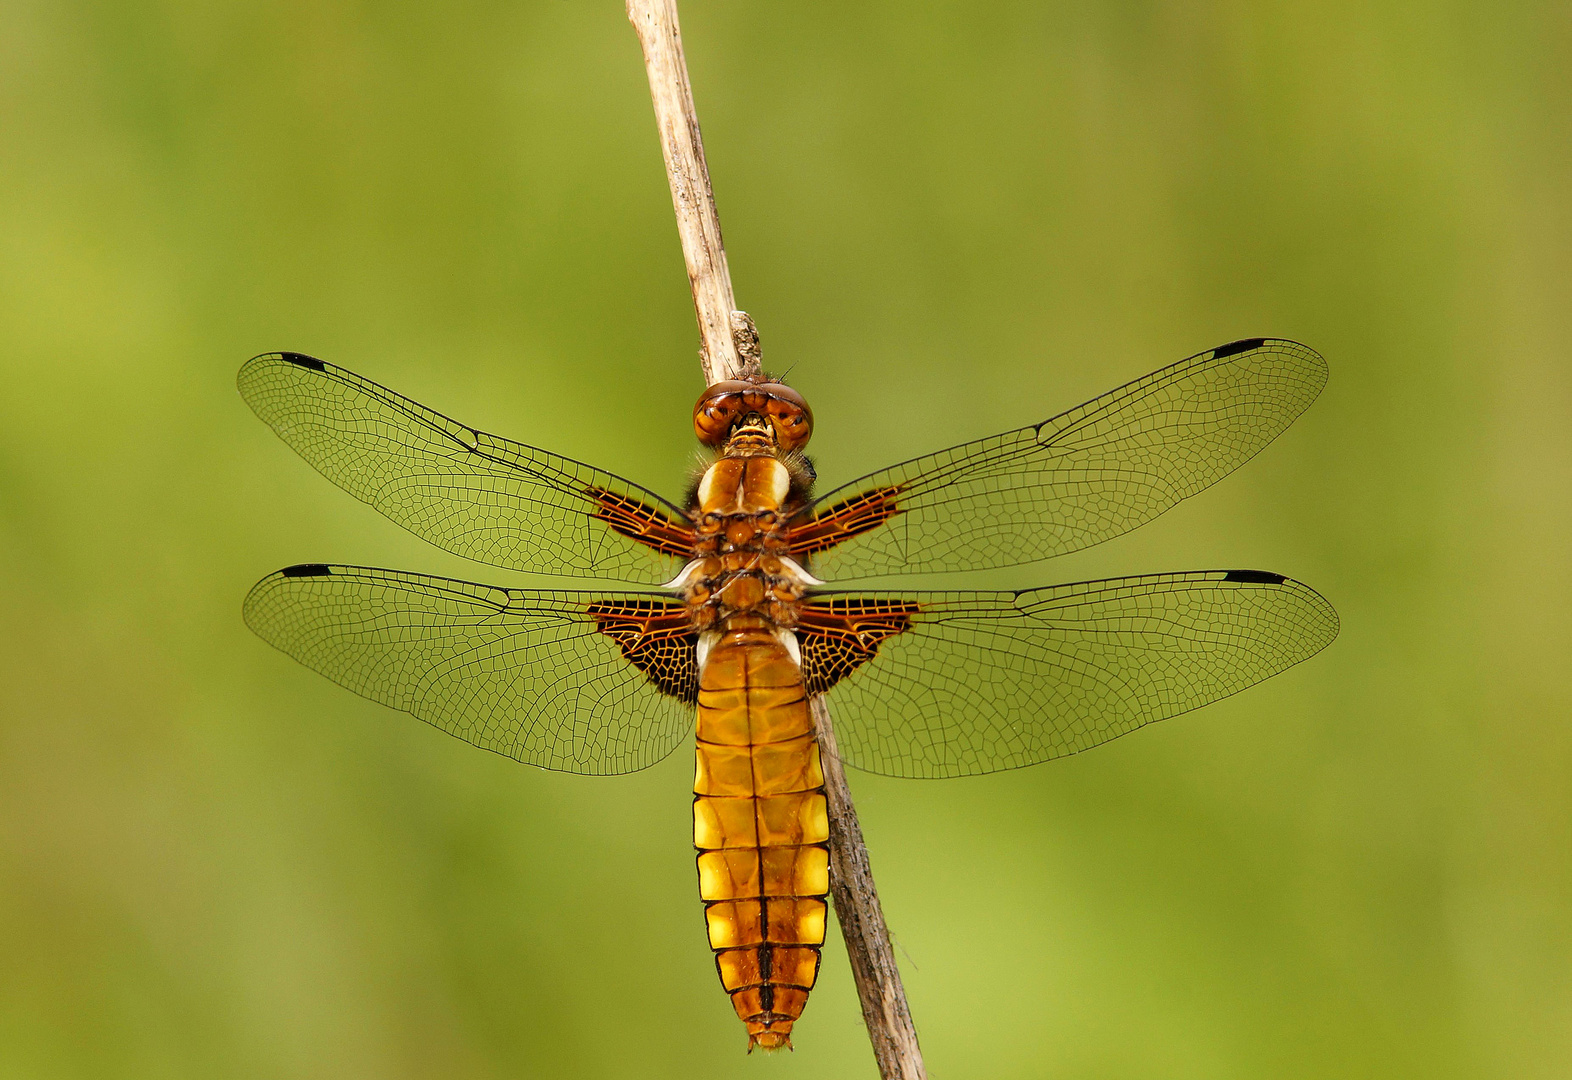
pixel 737 487
pixel 741 567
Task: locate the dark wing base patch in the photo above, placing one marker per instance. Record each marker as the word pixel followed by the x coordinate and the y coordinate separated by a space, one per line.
pixel 658 639
pixel 839 636
pixel 639 521
pixel 843 521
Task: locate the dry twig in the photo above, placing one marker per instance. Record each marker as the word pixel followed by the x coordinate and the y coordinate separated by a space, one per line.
pixel 857 909
pixel 730 346
pixel 691 195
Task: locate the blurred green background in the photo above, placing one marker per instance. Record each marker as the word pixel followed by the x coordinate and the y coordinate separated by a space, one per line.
pixel 948 219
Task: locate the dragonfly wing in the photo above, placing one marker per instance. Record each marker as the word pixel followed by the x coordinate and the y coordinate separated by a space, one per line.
pixel 964 683
pixel 474 494
pixel 1081 478
pixel 596 683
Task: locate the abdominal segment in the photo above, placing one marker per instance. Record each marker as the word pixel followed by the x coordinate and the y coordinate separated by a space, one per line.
pixel 760 824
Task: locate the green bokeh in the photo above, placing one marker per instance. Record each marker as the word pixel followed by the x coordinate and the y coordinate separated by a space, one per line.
pixel 948 219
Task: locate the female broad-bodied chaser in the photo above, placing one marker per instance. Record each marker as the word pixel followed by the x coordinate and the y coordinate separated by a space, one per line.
pixel 743 630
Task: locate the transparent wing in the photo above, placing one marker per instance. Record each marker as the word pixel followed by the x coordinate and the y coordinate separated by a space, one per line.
pixel 964 683
pixel 549 678
pixel 477 495
pixel 1081 478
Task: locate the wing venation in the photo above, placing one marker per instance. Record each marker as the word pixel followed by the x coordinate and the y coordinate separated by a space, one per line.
pixel 472 493
pixel 1086 476
pixel 963 683
pixel 577 682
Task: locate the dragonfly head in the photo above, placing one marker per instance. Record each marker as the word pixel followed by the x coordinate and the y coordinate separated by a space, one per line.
pixel 769 407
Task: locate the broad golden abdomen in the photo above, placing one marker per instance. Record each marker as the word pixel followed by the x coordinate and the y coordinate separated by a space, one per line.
pixel 760 825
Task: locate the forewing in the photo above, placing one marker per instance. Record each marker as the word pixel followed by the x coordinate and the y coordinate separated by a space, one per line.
pixel 578 682
pixel 1081 478
pixel 964 683
pixel 477 495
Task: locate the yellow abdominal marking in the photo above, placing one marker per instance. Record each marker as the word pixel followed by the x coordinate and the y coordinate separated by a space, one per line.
pixel 761 826
pixel 760 822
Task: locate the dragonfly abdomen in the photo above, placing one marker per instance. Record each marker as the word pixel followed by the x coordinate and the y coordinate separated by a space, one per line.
pixel 760 824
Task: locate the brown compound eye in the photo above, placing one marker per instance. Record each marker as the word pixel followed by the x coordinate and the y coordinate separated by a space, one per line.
pixel 789 414
pixel 722 405
pixel 717 409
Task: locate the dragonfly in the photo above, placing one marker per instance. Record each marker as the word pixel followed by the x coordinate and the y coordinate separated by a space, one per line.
pixel 716 613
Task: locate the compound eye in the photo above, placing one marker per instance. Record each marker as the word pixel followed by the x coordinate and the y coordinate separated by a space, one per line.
pixel 715 411
pixel 792 431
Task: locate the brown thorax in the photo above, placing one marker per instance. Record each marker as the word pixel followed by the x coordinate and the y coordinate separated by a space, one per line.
pixel 740 565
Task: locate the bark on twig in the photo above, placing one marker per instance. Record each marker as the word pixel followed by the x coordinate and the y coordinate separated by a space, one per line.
pixel 730 347
pixel 691 195
pixel 857 909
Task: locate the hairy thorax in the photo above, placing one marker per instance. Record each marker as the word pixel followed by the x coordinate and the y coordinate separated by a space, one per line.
pixel 740 511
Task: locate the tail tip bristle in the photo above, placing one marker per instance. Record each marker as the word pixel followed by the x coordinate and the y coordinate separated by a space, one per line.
pixel 769 1040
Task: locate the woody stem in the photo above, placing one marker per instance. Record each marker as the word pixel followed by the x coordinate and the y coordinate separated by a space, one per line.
pixel 691 195
pixel 729 347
